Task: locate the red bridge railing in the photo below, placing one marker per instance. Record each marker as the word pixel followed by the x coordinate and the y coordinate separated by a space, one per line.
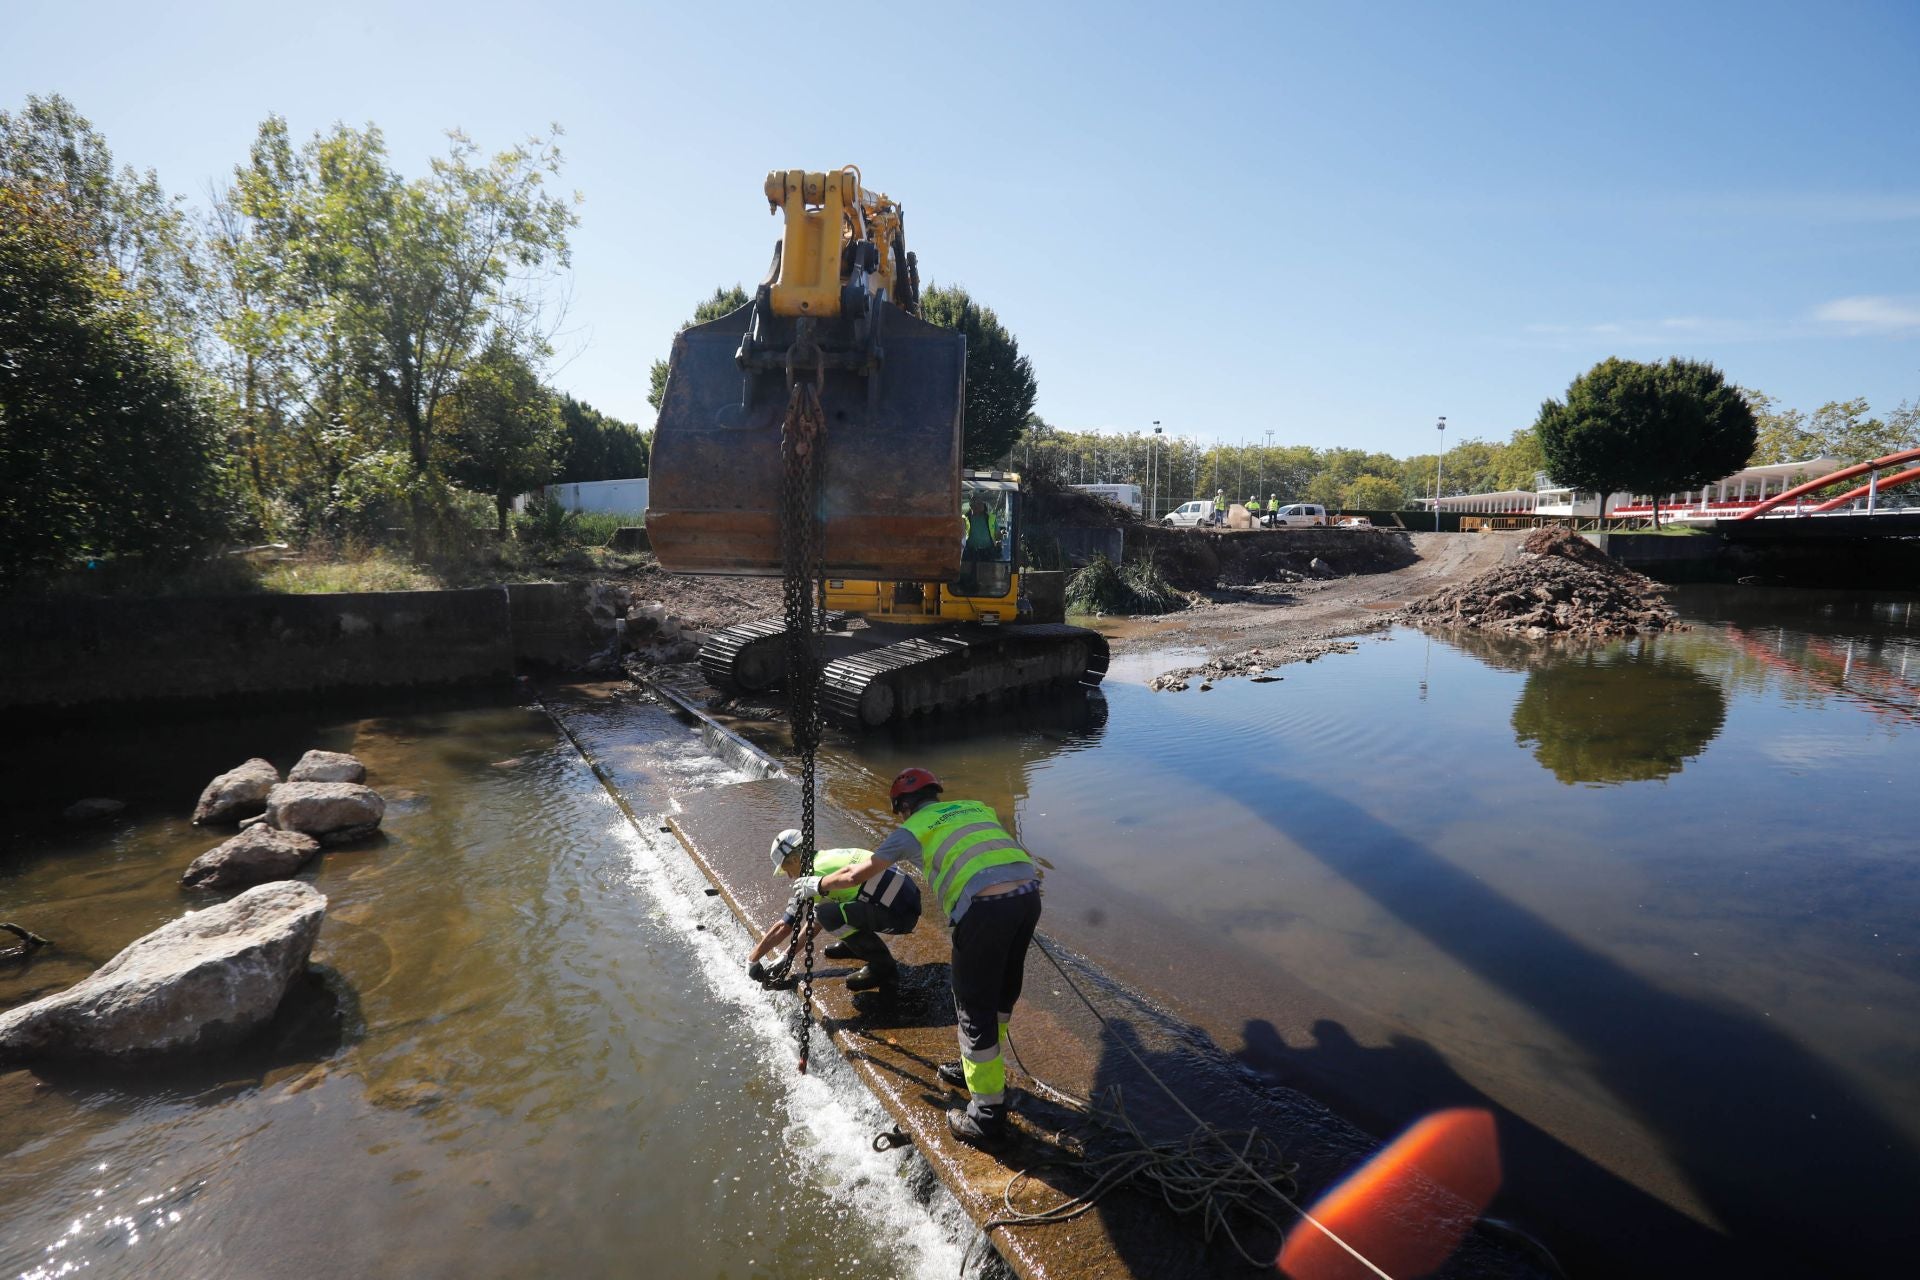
pixel 1845 473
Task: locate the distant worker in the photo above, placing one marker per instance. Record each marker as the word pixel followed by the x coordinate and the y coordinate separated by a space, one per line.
pixel 855 911
pixel 1219 506
pixel 1273 508
pixel 989 890
pixel 983 532
pixel 1253 508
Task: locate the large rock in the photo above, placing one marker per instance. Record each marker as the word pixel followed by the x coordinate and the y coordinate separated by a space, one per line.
pixel 332 812
pixel 256 855
pixel 207 979
pixel 237 793
pixel 327 766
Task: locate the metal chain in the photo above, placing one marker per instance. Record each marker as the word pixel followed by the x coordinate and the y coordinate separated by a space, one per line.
pixel 802 436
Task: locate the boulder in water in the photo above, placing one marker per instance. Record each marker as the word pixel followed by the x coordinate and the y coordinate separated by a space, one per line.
pixel 207 979
pixel 256 855
pixel 92 807
pixel 237 793
pixel 331 812
pixel 327 766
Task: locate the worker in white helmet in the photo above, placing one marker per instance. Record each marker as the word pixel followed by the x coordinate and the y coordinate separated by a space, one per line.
pixel 855 915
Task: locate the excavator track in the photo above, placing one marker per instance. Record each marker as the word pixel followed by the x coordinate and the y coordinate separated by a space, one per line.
pixel 954 669
pixel 752 656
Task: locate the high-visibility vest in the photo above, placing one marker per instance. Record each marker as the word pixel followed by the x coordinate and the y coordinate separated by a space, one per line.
pixel 1253 505
pixel 958 840
pixel 983 535
pixel 882 888
pixel 1219 502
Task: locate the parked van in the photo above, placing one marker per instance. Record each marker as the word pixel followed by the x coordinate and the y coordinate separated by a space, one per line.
pixel 1126 495
pixel 1297 514
pixel 1189 515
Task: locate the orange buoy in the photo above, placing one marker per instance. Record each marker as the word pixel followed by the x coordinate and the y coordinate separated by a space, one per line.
pixel 1406 1209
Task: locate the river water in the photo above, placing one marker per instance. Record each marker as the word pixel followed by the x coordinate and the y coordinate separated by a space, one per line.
pixel 534 1052
pixel 1657 904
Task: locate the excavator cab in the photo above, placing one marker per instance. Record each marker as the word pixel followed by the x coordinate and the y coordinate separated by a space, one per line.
pixel 838 311
pixel 989 512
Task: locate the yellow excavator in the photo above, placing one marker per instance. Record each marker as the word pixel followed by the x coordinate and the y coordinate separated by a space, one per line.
pixel 918 559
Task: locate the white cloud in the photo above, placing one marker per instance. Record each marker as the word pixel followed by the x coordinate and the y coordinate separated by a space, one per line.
pixel 1870 313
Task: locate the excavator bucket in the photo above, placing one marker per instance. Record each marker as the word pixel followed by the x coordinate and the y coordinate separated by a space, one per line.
pixel 890 485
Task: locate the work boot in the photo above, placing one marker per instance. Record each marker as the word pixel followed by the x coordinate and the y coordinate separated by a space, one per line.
pixel 966 1127
pixel 837 951
pixel 870 979
pixel 952 1074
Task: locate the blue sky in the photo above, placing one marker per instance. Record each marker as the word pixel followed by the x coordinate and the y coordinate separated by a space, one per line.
pixel 1332 221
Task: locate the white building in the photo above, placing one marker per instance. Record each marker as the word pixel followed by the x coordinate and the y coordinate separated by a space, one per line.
pixel 1727 497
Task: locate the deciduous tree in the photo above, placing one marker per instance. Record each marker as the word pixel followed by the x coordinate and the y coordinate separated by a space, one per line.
pixel 106 446
pixel 504 430
pixel 1646 428
pixel 1000 383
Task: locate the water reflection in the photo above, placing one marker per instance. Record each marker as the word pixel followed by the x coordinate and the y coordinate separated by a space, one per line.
pixel 1617 716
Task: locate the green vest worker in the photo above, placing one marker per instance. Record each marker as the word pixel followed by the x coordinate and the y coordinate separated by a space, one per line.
pixel 1253 504
pixel 856 912
pixel 983 533
pixel 989 890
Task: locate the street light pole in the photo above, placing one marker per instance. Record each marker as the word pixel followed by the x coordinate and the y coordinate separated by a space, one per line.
pixel 1153 481
pixel 1439 461
pixel 1263 460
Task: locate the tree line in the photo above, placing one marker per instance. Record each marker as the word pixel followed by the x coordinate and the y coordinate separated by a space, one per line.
pixel 326 349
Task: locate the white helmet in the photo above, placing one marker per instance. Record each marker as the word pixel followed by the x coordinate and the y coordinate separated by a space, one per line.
pixel 784 846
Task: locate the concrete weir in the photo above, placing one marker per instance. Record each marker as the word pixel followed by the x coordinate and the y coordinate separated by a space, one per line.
pixel 894 1046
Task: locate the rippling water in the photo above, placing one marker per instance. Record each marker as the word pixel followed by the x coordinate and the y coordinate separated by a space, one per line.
pixel 533 1054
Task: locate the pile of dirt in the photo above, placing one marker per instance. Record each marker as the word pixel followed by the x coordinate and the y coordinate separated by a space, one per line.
pixel 1561 585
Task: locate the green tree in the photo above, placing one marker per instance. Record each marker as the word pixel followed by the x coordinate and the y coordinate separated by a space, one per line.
pixel 723 302
pixel 1373 493
pixel 106 447
pixel 412 274
pixel 1628 427
pixel 1000 383
pixel 123 216
pixel 505 432
pixel 597 446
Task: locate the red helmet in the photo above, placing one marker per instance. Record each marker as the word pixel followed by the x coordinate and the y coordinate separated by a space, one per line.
pixel 910 781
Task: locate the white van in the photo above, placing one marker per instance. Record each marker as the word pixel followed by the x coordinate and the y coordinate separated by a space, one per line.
pixel 1189 514
pixel 1126 495
pixel 1297 514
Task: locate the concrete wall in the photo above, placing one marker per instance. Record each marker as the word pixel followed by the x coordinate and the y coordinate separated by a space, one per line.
pixel 67 652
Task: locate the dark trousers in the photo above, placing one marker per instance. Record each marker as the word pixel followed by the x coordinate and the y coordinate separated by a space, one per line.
pixel 857 925
pixel 989 964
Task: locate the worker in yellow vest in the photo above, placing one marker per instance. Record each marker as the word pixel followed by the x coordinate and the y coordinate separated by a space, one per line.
pixel 854 911
pixel 989 890
pixel 1253 508
pixel 1219 506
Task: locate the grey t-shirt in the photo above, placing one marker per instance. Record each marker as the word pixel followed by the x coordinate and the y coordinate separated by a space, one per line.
pixel 901 846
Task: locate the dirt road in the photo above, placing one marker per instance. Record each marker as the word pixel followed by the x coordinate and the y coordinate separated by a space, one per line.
pixel 1300 621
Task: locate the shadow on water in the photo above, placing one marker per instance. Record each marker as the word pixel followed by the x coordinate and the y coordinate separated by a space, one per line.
pixel 1803 1175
